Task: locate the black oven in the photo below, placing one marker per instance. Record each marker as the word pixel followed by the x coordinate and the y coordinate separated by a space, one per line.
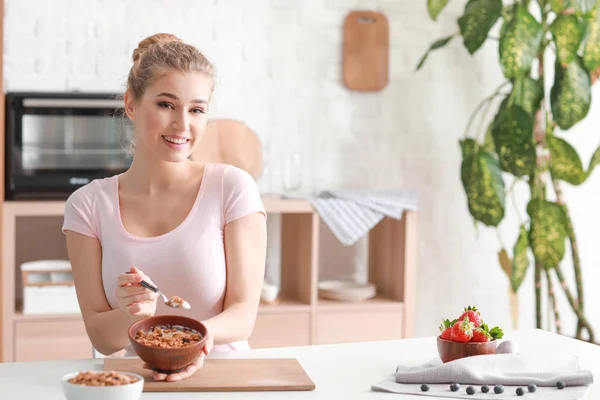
pixel 58 142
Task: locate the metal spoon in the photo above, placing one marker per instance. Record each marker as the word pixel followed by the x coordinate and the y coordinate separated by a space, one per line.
pixel 175 301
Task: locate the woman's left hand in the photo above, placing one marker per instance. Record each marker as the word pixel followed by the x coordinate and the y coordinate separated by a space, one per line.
pixel 191 369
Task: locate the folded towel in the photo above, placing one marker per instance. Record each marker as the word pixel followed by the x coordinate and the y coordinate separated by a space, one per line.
pixel 350 214
pixel 509 370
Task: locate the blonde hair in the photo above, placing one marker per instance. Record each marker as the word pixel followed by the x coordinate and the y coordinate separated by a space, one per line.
pixel 159 53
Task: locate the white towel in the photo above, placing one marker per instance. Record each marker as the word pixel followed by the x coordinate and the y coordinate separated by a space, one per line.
pixel 510 370
pixel 350 214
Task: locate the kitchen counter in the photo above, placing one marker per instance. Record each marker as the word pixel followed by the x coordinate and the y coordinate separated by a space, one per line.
pixel 339 371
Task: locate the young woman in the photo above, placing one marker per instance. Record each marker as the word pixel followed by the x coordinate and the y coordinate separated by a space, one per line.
pixel 198 231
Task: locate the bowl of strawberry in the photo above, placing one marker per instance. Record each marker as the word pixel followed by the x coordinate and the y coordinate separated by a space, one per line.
pixel 467 336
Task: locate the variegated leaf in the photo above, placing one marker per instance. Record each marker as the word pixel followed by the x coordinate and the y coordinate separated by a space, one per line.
pixel 591 49
pixel 520 259
pixel 565 163
pixel 435 7
pixel 512 131
pixel 483 184
pixel 571 96
pixel 527 93
pixel 579 6
pixel 547 232
pixel 568 34
pixel 478 18
pixel 593 163
pixel 434 46
pixel 505 262
pixel 520 41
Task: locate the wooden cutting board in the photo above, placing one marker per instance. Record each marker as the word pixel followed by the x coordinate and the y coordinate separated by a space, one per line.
pixel 365 51
pixel 226 375
pixel 231 142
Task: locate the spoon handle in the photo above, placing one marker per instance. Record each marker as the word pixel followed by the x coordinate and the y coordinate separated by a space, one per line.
pixel 146 285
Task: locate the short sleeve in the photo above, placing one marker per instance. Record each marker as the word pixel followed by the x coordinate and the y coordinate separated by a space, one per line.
pixel 241 196
pixel 79 215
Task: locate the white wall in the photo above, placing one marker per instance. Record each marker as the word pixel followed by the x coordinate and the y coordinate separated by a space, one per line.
pixel 280 66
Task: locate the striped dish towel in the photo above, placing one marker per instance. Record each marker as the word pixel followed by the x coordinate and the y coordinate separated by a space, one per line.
pixel 350 214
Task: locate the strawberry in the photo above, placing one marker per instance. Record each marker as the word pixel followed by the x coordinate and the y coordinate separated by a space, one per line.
pixel 479 335
pixel 462 331
pixel 473 314
pixel 446 329
pixel 484 334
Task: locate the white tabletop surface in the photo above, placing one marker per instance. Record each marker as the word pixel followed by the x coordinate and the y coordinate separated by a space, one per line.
pixel 342 371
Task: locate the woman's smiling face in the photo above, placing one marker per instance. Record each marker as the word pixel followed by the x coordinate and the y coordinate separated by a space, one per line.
pixel 171 116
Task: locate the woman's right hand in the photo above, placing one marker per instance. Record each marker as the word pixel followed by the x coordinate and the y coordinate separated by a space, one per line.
pixel 135 299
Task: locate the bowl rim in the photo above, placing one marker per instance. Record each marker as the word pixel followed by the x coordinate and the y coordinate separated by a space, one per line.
pixel 200 343
pixel 65 379
pixel 439 338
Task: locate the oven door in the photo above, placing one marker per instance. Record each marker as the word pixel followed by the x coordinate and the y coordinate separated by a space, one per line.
pixel 57 144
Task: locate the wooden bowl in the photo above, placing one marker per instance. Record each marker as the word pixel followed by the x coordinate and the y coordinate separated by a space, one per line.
pixel 450 351
pixel 167 360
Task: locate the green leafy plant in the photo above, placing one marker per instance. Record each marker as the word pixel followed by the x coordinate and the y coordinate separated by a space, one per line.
pixel 526 140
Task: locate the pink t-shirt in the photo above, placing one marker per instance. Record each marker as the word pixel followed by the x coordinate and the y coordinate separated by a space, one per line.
pixel 189 261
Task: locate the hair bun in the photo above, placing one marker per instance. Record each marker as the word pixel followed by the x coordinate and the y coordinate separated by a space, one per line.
pixel 153 39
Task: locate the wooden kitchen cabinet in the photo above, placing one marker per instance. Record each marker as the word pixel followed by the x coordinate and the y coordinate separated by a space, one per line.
pixel 31 230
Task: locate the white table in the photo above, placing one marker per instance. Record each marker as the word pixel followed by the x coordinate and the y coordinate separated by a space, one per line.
pixel 342 371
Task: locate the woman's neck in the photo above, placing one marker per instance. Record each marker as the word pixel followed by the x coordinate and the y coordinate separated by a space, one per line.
pixel 151 176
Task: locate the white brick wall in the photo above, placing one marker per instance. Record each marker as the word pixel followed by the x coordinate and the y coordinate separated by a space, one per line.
pixel 283 77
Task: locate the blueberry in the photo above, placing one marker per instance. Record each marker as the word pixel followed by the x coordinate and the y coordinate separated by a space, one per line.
pixel 470 390
pixel 498 389
pixel 560 384
pixel 532 388
pixel 520 392
pixel 454 387
pixel 485 389
pixel 424 387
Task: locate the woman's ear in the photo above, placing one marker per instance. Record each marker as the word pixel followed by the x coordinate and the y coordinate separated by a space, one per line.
pixel 129 104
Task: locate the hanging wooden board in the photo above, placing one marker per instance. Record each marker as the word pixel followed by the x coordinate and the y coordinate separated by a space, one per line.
pixel 366 51
pixel 225 375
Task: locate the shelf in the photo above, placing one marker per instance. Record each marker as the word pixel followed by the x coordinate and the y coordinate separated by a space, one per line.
pixel 273 205
pixel 36 317
pixel 376 303
pixel 283 306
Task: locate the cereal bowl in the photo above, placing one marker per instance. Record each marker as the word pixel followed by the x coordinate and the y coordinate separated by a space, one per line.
pixel 127 385
pixel 168 343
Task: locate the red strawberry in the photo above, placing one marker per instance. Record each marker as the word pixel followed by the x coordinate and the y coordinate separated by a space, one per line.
pixel 485 334
pixel 446 329
pixel 480 335
pixel 473 315
pixel 462 331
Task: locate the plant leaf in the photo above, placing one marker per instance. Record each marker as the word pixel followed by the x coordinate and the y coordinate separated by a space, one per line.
pixel 483 184
pixel 505 262
pixel 571 96
pixel 593 162
pixel 580 6
pixel 434 46
pixel 521 260
pixel 527 93
pixel 512 130
pixel 475 24
pixel 567 33
pixel 591 49
pixel 520 40
pixel 565 162
pixel 434 7
pixel 547 232
pixel 488 141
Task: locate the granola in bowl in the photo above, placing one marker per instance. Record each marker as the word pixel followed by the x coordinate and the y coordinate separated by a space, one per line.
pixel 104 378
pixel 168 336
